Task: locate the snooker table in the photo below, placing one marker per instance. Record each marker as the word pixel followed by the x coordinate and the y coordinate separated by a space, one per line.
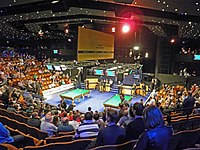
pixel 114 101
pixel 75 94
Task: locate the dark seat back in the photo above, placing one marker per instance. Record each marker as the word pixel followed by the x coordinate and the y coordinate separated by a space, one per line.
pixel 65 138
pixel 175 140
pixel 7 147
pixel 124 146
pixel 66 133
pixel 73 145
pixel 189 138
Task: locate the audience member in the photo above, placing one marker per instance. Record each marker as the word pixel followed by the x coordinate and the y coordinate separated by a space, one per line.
pixel 188 103
pixel 124 118
pixel 64 126
pixel 112 134
pixel 157 136
pixel 47 126
pixel 55 121
pixel 5 136
pixel 74 122
pixel 137 126
pixel 34 120
pixel 87 129
pixel 12 107
pixel 98 120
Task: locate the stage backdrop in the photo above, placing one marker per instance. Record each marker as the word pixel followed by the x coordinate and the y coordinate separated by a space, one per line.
pixel 94 45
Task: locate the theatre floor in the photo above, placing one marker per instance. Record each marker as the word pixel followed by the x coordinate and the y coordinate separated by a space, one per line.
pixel 95 101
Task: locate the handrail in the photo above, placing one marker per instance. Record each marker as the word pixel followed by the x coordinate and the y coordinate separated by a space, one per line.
pixel 182 109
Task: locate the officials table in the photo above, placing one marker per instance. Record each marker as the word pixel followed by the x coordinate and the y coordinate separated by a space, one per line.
pixel 115 101
pixel 75 94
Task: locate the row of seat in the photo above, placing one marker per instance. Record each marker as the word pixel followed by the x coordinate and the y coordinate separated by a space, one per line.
pixel 185 139
pixel 28 139
pixel 181 140
pixel 31 141
pixel 186 123
pixel 22 119
pixel 12 115
pixel 73 145
pixel 24 128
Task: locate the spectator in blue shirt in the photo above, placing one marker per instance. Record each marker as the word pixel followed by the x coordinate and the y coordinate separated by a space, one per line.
pixel 5 136
pixel 112 134
pixel 87 129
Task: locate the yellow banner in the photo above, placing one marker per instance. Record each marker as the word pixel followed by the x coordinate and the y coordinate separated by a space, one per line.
pixel 93 45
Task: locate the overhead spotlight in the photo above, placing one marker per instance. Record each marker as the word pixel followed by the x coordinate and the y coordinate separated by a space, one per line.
pixel 131 52
pixel 55 1
pixel 172 41
pixel 40 33
pixel 113 29
pixel 66 31
pixel 146 55
pixel 136 48
pixel 115 61
pixel 126 28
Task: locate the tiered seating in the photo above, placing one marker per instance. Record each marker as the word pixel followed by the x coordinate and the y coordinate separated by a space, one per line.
pixel 192 122
pixel 185 139
pixel 24 128
pixel 65 138
pixel 13 115
pixel 7 147
pixel 28 139
pixel 181 122
pixel 125 146
pixel 73 145
pixel 66 133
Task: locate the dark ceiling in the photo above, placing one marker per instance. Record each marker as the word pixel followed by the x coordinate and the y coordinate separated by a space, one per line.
pixel 23 19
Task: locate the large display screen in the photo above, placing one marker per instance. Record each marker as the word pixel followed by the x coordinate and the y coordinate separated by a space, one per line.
pixel 57 68
pixel 98 72
pixel 49 67
pixel 110 73
pixel 55 51
pixel 136 76
pixel 196 57
pixel 94 45
pixel 63 67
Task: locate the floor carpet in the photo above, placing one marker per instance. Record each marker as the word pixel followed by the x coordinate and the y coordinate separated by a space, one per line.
pixel 95 101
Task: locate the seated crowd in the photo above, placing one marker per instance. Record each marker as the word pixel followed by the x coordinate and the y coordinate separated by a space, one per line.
pixel 176 97
pixel 141 122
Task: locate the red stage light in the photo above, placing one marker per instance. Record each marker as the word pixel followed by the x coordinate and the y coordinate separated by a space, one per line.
pixel 126 28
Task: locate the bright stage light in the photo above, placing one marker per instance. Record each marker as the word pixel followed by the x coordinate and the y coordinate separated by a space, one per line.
pixel 172 40
pixel 136 48
pixel 56 1
pixel 66 31
pixel 113 29
pixel 126 28
pixel 146 55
